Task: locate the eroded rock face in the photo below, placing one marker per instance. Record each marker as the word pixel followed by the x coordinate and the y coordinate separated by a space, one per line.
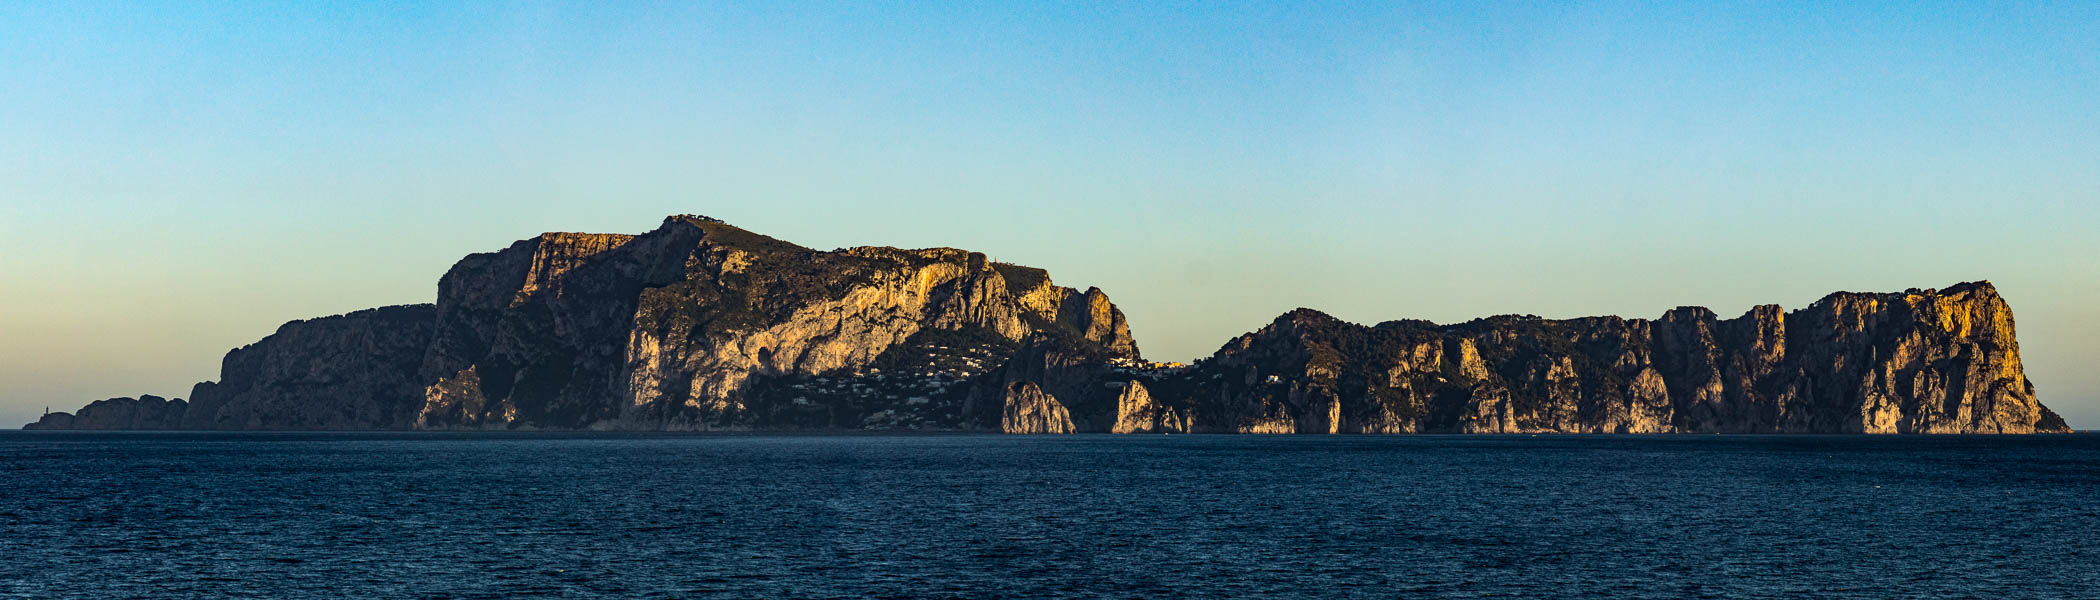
pixel 696 325
pixel 1921 361
pixel 352 371
pixel 702 326
pixel 1029 410
pixel 1137 412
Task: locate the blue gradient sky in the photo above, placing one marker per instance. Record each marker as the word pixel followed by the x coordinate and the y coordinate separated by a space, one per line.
pixel 177 180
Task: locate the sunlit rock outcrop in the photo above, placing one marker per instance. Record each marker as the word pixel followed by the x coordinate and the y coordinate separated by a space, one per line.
pixel 701 326
pixel 1028 410
pixel 1137 412
pixel 697 325
pixel 1921 361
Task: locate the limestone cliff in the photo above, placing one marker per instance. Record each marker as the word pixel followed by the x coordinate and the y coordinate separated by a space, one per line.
pixel 1026 409
pixel 1922 361
pixel 699 325
pixel 1137 412
pixel 353 371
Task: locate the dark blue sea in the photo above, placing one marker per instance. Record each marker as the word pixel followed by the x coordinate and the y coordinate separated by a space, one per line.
pixel 193 515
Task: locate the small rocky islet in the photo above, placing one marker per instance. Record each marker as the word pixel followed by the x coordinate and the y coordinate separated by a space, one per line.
pixel 702 326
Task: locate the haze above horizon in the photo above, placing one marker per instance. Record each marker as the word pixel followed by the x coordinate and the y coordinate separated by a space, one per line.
pixel 178 180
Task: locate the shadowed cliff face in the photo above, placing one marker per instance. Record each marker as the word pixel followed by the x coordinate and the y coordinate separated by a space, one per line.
pixel 1922 361
pixel 353 371
pixel 145 412
pixel 345 372
pixel 699 325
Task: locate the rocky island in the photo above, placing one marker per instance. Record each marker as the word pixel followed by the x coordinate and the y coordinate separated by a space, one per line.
pixel 702 326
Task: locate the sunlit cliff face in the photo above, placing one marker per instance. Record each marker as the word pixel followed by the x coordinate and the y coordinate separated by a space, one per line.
pixel 699 325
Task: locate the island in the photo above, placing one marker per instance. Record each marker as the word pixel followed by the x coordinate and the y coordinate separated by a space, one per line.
pixel 702 326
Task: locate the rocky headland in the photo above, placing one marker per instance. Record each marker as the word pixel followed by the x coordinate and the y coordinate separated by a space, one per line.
pixel 701 326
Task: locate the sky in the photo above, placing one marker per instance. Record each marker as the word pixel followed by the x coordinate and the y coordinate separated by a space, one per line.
pixel 178 179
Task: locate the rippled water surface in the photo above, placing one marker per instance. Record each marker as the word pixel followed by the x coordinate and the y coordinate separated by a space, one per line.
pixel 488 516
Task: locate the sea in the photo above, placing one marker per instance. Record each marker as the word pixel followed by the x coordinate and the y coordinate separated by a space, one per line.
pixel 500 515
